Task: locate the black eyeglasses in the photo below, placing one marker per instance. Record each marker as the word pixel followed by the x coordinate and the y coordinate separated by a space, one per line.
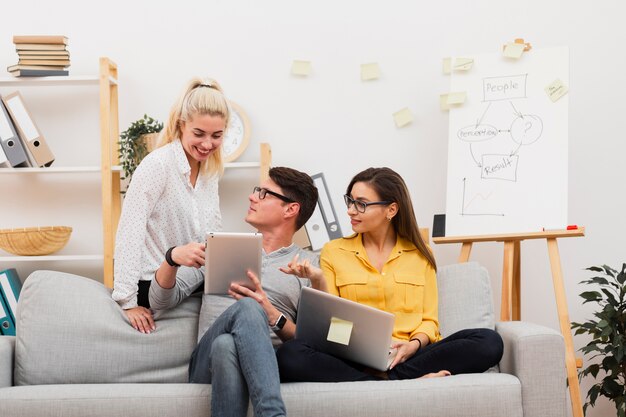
pixel 361 206
pixel 262 192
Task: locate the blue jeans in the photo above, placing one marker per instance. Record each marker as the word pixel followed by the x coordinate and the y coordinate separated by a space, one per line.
pixel 237 358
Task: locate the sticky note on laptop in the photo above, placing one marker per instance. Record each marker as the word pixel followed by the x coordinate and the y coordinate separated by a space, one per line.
pixel 339 331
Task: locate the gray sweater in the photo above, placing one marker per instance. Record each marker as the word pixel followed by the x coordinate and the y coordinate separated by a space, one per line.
pixel 282 290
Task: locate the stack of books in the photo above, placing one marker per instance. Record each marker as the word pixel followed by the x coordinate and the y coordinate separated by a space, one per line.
pixel 40 56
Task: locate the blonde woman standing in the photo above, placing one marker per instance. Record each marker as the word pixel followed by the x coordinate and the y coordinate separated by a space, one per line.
pixel 172 199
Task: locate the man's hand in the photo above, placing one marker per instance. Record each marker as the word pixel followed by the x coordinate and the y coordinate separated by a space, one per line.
pixel 191 254
pixel 141 319
pixel 239 291
pixel 304 269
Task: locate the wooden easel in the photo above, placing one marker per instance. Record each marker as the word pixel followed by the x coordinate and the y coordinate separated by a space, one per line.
pixel 511 307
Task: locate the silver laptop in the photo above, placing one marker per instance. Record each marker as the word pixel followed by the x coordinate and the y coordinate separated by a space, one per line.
pixel 345 329
pixel 227 258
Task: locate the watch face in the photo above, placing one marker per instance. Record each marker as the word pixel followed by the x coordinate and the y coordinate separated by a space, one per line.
pixel 236 136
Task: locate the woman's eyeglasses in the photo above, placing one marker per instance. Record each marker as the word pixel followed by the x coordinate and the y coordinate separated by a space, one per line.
pixel 262 192
pixel 361 206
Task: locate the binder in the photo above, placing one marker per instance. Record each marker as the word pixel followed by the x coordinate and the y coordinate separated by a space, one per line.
pixel 3 156
pixel 7 326
pixel 323 224
pixel 28 131
pixel 10 286
pixel 10 141
pixel 327 208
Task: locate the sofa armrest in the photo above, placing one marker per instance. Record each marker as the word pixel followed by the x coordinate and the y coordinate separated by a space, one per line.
pixel 536 356
pixel 7 355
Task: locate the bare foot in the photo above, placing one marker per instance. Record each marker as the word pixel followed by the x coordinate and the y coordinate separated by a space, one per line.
pixel 436 374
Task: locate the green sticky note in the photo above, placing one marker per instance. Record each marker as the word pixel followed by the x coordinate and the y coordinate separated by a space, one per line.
pixel 339 331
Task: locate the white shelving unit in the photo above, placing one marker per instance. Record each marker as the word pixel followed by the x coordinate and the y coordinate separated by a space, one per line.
pixel 108 169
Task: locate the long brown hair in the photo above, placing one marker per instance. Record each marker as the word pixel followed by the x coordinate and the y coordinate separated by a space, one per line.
pixel 390 186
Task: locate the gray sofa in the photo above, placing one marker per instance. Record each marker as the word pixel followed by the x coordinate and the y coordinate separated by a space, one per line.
pixel 76 355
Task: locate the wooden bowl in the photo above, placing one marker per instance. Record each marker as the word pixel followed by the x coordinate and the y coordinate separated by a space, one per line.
pixel 30 241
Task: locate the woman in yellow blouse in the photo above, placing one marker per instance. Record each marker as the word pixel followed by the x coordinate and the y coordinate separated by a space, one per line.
pixel 387 265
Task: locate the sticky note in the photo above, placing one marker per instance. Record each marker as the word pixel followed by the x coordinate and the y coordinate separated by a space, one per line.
pixel 447 65
pixel 443 102
pixel 302 68
pixel 463 64
pixel 339 331
pixel 370 71
pixel 514 50
pixel 556 90
pixel 456 98
pixel 403 117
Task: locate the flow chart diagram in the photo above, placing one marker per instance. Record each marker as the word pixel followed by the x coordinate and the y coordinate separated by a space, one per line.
pixel 507 147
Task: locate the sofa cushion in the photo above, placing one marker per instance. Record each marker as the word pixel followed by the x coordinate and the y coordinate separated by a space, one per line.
pixel 464 298
pixel 70 331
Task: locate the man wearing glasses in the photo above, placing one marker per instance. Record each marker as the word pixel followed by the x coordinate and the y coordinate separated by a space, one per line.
pixel 235 353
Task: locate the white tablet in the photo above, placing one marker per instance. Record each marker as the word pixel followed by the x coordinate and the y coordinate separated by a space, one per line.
pixel 228 257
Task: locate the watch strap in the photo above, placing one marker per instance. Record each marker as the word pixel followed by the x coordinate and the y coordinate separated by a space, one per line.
pixel 168 258
pixel 280 323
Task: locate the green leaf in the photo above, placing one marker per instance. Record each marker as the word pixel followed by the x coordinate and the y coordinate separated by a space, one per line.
pixel 609 271
pixel 591 296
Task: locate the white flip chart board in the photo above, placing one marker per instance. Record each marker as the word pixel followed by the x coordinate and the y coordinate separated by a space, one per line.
pixel 508 145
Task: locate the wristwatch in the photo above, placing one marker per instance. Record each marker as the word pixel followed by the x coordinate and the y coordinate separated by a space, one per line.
pixel 280 323
pixel 168 258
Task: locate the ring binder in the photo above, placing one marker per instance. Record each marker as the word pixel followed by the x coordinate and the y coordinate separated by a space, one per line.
pixel 323 225
pixel 10 141
pixel 28 131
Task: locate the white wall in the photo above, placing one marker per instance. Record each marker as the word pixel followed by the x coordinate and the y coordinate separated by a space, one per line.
pixel 333 122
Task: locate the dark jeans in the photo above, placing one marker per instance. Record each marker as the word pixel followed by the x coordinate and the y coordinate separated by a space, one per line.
pixel 466 351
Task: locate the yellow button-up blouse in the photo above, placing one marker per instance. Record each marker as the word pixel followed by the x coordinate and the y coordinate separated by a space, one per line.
pixel 406 286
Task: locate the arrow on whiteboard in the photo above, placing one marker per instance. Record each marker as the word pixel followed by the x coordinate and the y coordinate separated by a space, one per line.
pixel 518 114
pixel 515 151
pixel 478 164
pixel 479 121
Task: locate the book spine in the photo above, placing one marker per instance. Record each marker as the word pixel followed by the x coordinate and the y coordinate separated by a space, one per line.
pixel 58 39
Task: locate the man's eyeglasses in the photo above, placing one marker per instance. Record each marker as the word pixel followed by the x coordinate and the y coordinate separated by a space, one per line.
pixel 262 192
pixel 361 206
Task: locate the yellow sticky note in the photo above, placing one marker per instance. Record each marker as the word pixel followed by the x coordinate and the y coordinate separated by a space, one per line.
pixel 463 64
pixel 556 90
pixel 403 117
pixel 370 71
pixel 301 68
pixel 443 102
pixel 456 98
pixel 514 50
pixel 339 331
pixel 447 65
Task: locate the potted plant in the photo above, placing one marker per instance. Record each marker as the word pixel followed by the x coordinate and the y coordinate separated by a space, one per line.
pixel 133 146
pixel 608 332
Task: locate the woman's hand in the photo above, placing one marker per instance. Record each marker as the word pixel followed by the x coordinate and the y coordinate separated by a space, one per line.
pixel 191 254
pixel 304 269
pixel 141 319
pixel 404 350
